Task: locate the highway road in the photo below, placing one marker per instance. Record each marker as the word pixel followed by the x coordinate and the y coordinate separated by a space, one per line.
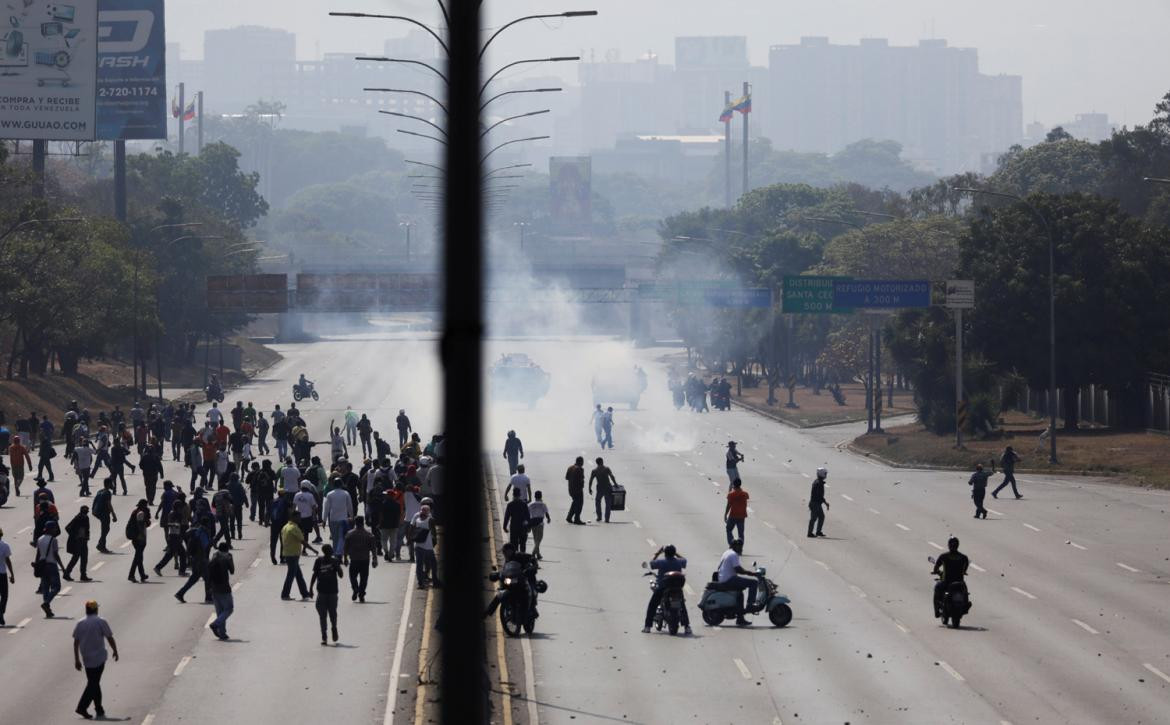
pixel 273 669
pixel 1069 623
pixel 1069 585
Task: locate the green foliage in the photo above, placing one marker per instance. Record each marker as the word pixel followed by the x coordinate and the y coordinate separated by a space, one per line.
pixel 1060 165
pixel 211 180
pixel 901 249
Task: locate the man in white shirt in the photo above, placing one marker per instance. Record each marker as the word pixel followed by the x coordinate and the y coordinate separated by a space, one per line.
pixel 520 482
pixel 729 571
pixel 214 415
pixel 337 511
pixel 7 575
pixel 305 504
pixel 89 653
pixel 424 548
pixel 82 461
pixel 537 515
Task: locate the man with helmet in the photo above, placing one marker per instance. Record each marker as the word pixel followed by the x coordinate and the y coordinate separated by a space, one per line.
pixel 668 562
pixel 953 566
pixel 817 503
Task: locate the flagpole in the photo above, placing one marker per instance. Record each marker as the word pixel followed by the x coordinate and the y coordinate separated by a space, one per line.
pixel 746 94
pixel 727 151
pixel 182 112
pixel 199 122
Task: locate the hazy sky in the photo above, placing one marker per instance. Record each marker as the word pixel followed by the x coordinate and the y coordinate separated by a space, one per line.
pixel 1075 55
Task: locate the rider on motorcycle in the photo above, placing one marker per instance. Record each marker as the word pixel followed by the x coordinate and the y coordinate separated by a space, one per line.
pixel 729 571
pixel 954 567
pixel 304 383
pixel 516 564
pixel 214 386
pixel 671 561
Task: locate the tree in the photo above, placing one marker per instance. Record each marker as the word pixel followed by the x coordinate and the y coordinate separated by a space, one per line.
pixel 907 249
pixel 212 180
pixel 1112 303
pixel 1060 165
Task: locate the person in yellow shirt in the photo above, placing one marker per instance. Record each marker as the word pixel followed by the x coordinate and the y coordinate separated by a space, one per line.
pixel 292 547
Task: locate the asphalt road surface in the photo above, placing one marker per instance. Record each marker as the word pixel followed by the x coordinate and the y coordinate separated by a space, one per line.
pixel 274 668
pixel 1069 584
pixel 1069 623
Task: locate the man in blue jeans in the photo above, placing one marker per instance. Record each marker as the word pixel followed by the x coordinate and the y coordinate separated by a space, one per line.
pixel 729 569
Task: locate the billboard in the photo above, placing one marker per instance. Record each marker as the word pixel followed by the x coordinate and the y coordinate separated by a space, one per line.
pixel 131 70
pixel 248 292
pixel 571 194
pixel 48 70
pixel 363 292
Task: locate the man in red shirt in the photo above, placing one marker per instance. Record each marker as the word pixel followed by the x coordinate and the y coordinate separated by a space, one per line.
pixel 735 512
pixel 17 456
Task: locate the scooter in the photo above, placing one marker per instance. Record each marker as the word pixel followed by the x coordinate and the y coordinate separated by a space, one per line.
pixel 308 391
pixel 673 603
pixel 518 597
pixel 719 603
pixel 956 602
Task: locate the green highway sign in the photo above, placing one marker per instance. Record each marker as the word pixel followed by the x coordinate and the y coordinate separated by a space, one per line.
pixel 811 295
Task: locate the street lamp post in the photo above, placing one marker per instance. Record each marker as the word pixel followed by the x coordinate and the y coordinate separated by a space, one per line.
pixel 1052 399
pixel 407 226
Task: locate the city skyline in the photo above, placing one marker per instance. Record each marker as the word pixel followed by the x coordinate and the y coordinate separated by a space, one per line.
pixel 1067 58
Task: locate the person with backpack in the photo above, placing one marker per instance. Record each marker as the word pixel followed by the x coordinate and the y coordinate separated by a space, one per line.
pixel 137 523
pixel 77 543
pixel 174 535
pixel 103 511
pixel 422 535
pixel 389 520
pixel 47 565
pixel 198 543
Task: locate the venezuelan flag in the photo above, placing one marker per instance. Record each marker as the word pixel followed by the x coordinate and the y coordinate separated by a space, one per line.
pixel 743 105
pixel 728 112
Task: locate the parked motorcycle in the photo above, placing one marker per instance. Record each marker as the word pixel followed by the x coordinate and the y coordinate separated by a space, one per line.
pixel 956 602
pixel 307 391
pixel 719 603
pixel 518 589
pixel 673 603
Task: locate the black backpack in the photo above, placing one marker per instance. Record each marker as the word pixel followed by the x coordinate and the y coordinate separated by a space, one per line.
pixel 132 525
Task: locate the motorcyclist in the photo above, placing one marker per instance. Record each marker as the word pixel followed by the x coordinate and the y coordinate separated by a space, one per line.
pixel 304 383
pixel 213 386
pixel 953 567
pixel 733 577
pixel 516 564
pixel 668 562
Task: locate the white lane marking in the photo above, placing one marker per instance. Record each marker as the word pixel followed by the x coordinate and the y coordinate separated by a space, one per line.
pixel 822 564
pixel 236 586
pixel 651 542
pixel 255 563
pixel 1085 627
pixel 124 544
pixel 847 497
pixel 904 628
pixel 997 513
pixel 787 465
pixel 769 524
pixel 636 524
pixel 636 425
pixel 1021 592
pixel 940 548
pixel 751 510
pixel 808 476
pixel 1129 568
pixel 79 499
pixel 777 721
pixel 97 566
pixel 676 455
pixel 1075 544
pixel 950 670
pixel 20 625
pixel 396 667
pixel 1030 526
pixel 743 670
pixel 857 590
pixel 26 528
pixel 978 568
pixel 875 511
pixel 688 463
pixel 183 664
pixel 1156 671
pixel 148 719
pixel 902 527
pixel 687 588
pixel 65 591
pixel 772 456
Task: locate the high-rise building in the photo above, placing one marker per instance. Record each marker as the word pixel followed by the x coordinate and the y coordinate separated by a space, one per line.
pixel 931 98
pixel 246 64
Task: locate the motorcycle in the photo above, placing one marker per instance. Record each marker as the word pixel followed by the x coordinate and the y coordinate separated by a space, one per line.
pixel 719 603
pixel 719 401
pixel 673 603
pixel 213 394
pixel 956 602
pixel 308 391
pixel 3 487
pixel 518 596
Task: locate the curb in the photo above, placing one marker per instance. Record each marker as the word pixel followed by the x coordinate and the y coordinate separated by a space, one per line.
pixel 801 426
pixel 859 451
